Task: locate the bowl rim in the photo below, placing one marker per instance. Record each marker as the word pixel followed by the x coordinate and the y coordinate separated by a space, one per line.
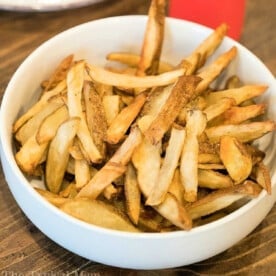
pixel 8 155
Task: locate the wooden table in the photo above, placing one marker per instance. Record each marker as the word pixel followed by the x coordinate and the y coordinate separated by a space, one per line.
pixel 23 248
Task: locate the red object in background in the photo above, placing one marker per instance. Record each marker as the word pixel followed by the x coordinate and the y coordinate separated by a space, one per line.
pixel 211 13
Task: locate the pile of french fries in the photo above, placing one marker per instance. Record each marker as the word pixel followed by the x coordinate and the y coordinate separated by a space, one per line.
pixel 151 147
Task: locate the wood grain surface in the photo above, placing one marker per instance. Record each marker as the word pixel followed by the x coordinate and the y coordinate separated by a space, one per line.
pixel 24 250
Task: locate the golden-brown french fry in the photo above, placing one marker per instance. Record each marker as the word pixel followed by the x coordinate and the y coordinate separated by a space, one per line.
pixel 95 117
pixel 240 94
pixel 147 160
pixel 237 115
pixel 235 158
pixel 206 48
pixel 153 39
pixel 195 125
pixel 132 194
pixel 222 198
pixel 213 180
pixel 262 176
pixel 175 212
pixel 173 152
pixel 30 127
pixel 39 105
pixel 133 60
pixel 124 119
pixel 243 132
pixel 75 80
pixel 60 73
pixel 209 73
pixel 30 155
pixel 48 127
pixel 214 110
pixel 58 154
pixel 114 168
pixel 54 199
pixel 98 213
pixel 181 93
pixel 115 79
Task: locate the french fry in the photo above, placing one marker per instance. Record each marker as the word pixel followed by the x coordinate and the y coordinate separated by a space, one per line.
pixel 235 158
pixel 206 48
pixel 120 80
pixel 196 123
pixel 54 199
pixel 156 100
pixel 222 198
pixel 173 152
pixel 209 158
pixel 181 93
pixel 133 60
pixel 123 120
pixel 240 94
pixel 48 127
pixel 114 168
pixel 59 151
pixel 176 188
pixel 30 127
pixel 111 104
pixel 147 161
pixel 175 212
pixel 95 117
pixel 262 176
pixel 39 105
pixel 214 110
pixel 153 39
pixel 237 115
pixel 209 73
pixel 98 213
pixel 132 194
pixel 82 173
pixel 243 132
pixel 75 80
pixel 30 155
pixel 211 179
pixel 60 73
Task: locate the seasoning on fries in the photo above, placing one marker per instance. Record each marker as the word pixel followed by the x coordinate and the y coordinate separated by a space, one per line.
pixel 153 147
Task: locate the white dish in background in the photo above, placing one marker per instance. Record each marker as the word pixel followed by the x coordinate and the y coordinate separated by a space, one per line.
pixel 44 5
pixel 122 249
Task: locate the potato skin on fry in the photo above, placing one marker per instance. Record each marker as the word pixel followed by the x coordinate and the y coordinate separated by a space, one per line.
pixel 182 92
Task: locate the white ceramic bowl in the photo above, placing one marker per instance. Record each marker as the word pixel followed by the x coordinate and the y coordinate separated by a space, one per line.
pixel 93 41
